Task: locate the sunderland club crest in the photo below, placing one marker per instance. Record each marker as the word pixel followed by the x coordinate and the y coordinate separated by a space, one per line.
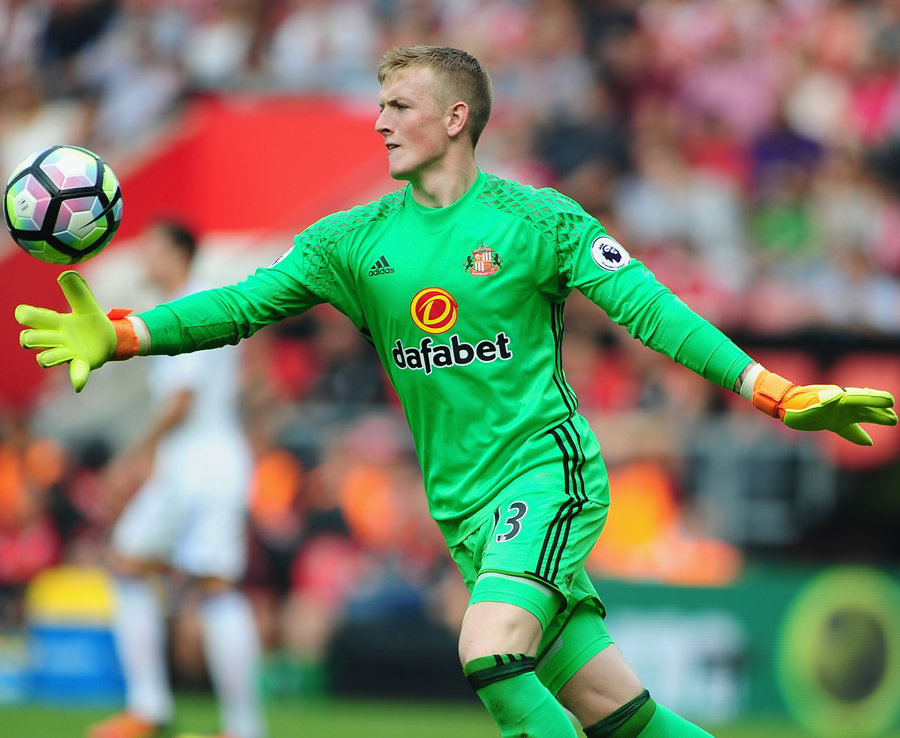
pixel 483 262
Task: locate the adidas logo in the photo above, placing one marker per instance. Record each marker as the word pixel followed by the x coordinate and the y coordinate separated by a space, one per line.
pixel 381 267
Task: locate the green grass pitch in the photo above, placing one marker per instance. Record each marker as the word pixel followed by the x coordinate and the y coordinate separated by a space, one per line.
pixel 329 719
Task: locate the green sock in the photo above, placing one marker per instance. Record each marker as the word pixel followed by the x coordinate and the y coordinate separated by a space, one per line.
pixel 521 706
pixel 666 724
pixel 643 718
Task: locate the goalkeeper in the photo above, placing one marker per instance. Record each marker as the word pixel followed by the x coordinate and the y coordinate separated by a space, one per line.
pixel 459 280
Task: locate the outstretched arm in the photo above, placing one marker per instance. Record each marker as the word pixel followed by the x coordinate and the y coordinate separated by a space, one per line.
pixel 633 297
pixel 86 338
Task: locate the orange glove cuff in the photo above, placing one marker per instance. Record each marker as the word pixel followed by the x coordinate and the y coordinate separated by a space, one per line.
pixel 126 339
pixel 769 390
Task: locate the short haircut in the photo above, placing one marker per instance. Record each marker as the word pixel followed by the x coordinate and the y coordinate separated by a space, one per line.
pixel 179 236
pixel 460 75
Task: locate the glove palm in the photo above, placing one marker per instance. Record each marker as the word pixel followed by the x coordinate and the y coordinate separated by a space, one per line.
pixel 85 338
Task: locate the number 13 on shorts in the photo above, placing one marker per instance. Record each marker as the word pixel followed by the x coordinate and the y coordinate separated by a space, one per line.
pixel 508 523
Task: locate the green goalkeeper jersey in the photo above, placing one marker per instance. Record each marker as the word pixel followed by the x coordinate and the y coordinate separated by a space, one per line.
pixel 464 305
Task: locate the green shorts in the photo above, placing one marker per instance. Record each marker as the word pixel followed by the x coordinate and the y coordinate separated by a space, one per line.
pixel 530 552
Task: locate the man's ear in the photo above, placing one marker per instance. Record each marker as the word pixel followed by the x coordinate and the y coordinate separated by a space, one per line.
pixel 457 117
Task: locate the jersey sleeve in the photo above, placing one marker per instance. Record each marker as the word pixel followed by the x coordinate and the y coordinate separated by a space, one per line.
pixel 599 267
pixel 301 278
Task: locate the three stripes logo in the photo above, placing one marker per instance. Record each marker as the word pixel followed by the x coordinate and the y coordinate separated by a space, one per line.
pixel 381 267
pixel 557 536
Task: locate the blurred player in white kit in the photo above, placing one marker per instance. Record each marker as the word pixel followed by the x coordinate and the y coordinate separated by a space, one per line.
pixel 190 516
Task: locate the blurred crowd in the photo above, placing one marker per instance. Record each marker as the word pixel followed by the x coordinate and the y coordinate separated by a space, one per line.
pixel 747 150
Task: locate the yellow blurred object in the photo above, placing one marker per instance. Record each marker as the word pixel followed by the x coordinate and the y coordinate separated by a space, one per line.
pixel 70 594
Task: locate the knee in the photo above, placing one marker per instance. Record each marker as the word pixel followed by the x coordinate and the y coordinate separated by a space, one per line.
pixel 491 628
pixel 212 586
pixel 129 568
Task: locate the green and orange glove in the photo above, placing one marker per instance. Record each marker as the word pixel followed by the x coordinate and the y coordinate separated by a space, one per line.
pixel 86 338
pixel 815 407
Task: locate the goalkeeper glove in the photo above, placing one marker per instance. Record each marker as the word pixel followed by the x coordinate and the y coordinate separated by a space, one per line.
pixel 85 338
pixel 819 406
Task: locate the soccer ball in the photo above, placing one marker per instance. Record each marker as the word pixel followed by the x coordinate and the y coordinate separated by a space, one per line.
pixel 62 204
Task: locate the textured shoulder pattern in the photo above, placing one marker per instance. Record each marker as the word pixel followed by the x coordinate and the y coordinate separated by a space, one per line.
pixel 317 243
pixel 558 217
pixel 332 228
pixel 560 220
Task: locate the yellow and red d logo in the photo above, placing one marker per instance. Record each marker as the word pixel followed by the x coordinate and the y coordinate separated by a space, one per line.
pixel 433 310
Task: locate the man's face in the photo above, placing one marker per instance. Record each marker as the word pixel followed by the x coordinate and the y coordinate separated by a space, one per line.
pixel 161 258
pixel 413 126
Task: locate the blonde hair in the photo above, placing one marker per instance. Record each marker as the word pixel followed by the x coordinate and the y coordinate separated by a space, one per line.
pixel 461 77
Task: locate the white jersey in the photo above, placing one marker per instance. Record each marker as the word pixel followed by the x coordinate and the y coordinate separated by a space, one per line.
pixel 212 428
